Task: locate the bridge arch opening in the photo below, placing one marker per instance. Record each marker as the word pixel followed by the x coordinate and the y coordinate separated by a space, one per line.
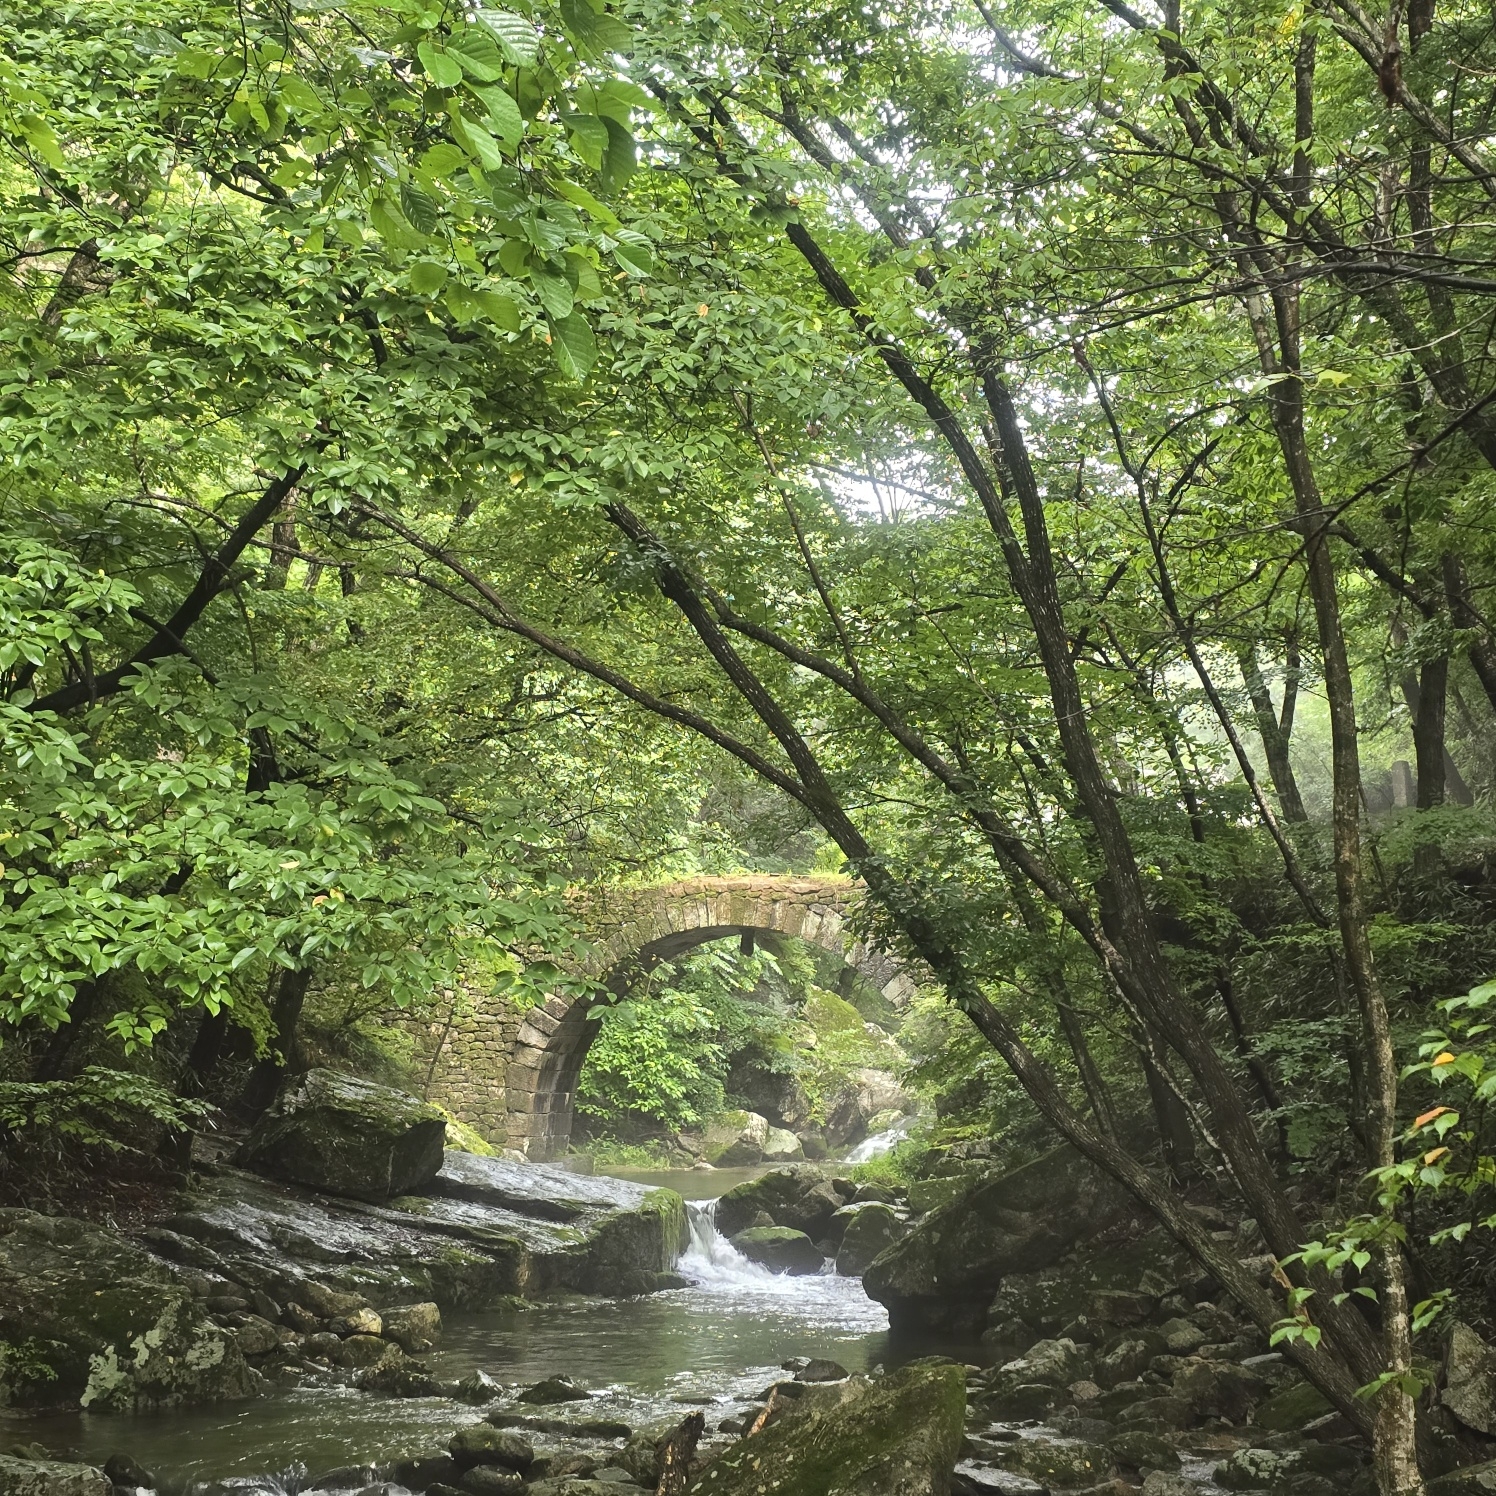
pixel 553 1041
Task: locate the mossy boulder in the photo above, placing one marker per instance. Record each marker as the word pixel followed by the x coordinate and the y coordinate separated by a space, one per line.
pixel 898 1435
pixel 736 1140
pixel 348 1137
pixel 1289 1410
pixel 870 1231
pixel 779 1249
pixel 50 1478
pixel 801 1199
pixel 87 1317
pixel 1469 1390
pixel 942 1276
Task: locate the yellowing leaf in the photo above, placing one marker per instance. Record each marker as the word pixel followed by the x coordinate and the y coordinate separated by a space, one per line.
pixel 1428 1116
pixel 1444 1058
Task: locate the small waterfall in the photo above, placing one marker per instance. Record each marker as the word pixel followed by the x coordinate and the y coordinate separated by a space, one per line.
pixel 880 1142
pixel 712 1262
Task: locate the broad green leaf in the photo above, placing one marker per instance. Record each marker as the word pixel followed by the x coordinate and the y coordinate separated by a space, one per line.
pixel 574 345
pixel 504 117
pixel 633 252
pixel 441 67
pixel 554 290
pixel 428 277
pixel 589 138
pixel 475 48
pixel 516 37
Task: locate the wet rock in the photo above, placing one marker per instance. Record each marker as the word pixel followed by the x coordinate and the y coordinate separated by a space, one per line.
pixel 302 1321
pixel 926 1195
pixel 344 1478
pixel 779 1249
pixel 1140 1449
pixel 1121 1306
pixel 421 1472
pixel 553 1390
pixel 573 1485
pixel 943 1274
pixel 415 1328
pixel 491 1480
pixel 103 1323
pixel 870 1231
pixel 50 1478
pixel 364 1351
pixel 1059 1464
pixel 820 1370
pixel 1182 1337
pixel 398 1379
pixel 869 1193
pixel 1292 1408
pixel 1125 1361
pixel 1218 1389
pixel 782 1147
pixel 1157 1413
pixel 1470 1480
pixel 1259 1469
pixel 1021 1400
pixel 801 1199
pixel 1469 1390
pixel 897 1436
pixel 972 1479
pixel 489 1229
pixel 1164 1483
pixel 123 1470
pixel 361 1322
pixel 348 1137
pixel 870 1093
pixel 477 1389
pixel 322 1302
pixel 256 1336
pixel 325 1346
pixel 736 1140
pixel 483 1444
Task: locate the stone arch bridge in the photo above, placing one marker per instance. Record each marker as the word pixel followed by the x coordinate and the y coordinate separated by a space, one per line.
pixel 512 1075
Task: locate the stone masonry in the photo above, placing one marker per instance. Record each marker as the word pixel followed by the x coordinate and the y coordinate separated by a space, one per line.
pixel 512 1075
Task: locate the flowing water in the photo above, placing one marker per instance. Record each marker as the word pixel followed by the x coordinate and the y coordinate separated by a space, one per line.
pixel 880 1142
pixel 717 1344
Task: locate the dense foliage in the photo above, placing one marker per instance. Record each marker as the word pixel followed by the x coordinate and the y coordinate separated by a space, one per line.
pixel 1047 447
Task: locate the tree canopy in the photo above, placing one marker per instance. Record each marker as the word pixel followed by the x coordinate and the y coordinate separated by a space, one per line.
pixel 1035 454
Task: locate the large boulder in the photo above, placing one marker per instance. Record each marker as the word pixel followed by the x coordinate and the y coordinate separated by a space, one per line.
pixel 348 1137
pixel 489 1229
pixel 87 1317
pixel 872 1229
pixel 898 1435
pixel 736 1140
pixel 1468 1480
pixel 800 1199
pixel 50 1478
pixel 941 1277
pixel 868 1094
pixel 1470 1379
pixel 779 1249
pixel 783 1147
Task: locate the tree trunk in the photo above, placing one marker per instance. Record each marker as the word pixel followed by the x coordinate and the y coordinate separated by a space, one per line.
pixel 1393 1436
pixel 264 1080
pixel 1274 738
pixel 680 1449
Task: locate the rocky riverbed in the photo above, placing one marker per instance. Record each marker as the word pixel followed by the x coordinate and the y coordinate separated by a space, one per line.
pixel 1080 1352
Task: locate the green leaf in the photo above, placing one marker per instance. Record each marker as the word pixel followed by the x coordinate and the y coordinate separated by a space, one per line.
pixel 574 345
pixel 475 48
pixel 501 310
pixel 443 69
pixel 503 114
pixel 392 225
pixel 427 277
pixel 516 36
pixel 442 161
pixel 41 137
pixel 554 290
pixel 589 138
pixel 622 157
pixel 633 252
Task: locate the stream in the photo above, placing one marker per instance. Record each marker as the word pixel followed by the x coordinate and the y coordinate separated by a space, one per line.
pixel 715 1344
